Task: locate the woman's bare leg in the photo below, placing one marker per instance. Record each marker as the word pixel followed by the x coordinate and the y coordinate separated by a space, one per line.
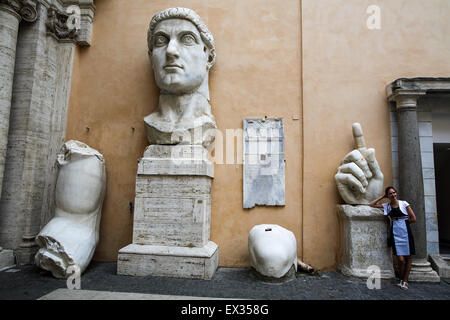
pixel 407 268
pixel 401 267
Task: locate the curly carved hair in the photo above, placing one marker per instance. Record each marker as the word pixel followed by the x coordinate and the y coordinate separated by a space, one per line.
pixel 187 14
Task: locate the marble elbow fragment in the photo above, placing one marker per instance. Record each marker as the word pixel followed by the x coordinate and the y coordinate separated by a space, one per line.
pixel 70 238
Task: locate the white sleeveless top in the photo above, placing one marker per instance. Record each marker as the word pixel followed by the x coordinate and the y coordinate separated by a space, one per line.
pixel 401 204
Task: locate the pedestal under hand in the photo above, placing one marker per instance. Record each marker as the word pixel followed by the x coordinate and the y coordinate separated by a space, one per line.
pixel 364 234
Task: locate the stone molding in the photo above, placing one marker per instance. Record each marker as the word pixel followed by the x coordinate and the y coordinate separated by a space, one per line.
pixel 57 25
pixel 26 9
pixel 406 91
pixel 59 12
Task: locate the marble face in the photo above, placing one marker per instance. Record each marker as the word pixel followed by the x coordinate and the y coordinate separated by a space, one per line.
pixel 179 57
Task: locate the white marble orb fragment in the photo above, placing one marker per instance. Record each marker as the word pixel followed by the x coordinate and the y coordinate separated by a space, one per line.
pixel 70 238
pixel 273 250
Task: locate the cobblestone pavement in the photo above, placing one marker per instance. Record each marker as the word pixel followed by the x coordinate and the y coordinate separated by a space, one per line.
pixel 29 282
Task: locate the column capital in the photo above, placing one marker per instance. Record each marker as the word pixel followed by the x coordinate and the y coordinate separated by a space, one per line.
pixel 58 26
pixel 71 21
pixel 406 99
pixel 25 9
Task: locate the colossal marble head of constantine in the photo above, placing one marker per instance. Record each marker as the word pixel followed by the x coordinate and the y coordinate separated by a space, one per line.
pixel 182 52
pixel 181 49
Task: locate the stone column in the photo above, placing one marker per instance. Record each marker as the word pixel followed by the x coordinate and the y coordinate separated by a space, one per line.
pixel 11 13
pixel 9 26
pixel 411 180
pixel 41 87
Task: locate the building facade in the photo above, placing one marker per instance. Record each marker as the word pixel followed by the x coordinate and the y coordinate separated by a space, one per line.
pixel 319 65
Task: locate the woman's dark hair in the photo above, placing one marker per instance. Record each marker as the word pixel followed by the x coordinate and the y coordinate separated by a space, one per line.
pixel 389 188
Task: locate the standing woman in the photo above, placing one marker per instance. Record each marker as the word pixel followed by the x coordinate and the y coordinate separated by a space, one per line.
pixel 400 215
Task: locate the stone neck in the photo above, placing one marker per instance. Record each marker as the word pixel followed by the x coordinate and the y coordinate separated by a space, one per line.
pixel 180 106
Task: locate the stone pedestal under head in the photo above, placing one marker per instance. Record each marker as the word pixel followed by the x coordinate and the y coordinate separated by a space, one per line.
pixel 172 215
pixel 70 238
pixel 273 250
pixel 364 240
pixel 173 186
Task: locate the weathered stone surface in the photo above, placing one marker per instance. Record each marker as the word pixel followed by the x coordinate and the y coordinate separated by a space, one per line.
pixel 37 118
pixel 172 215
pixel 36 131
pixel 364 240
pixel 173 196
pixel 6 259
pixel 359 178
pixel 273 250
pixel 421 271
pixel 9 26
pixel 441 263
pixel 71 237
pixel 169 261
pixel 190 160
pixel 264 168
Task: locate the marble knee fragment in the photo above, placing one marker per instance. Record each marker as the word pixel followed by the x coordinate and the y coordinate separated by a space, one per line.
pixel 70 238
pixel 273 250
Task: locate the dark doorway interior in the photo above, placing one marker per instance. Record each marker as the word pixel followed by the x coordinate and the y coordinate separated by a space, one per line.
pixel 442 176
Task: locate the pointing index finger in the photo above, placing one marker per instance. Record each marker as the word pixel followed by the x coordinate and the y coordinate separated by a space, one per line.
pixel 358 136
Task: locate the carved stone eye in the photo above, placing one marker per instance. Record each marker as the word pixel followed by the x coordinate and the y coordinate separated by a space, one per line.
pixel 188 39
pixel 160 40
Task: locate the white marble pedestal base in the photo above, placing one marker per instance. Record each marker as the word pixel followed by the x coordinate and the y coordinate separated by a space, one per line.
pixel 421 271
pixel 171 229
pixel 168 261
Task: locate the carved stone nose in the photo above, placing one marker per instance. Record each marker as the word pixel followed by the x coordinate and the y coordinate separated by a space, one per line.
pixel 172 49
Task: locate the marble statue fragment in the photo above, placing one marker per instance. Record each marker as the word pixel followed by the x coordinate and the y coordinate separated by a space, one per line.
pixel 359 178
pixel 70 238
pixel 172 214
pixel 273 250
pixel 182 51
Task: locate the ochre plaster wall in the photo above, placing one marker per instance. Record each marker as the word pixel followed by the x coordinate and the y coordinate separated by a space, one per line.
pixel 345 69
pixel 257 74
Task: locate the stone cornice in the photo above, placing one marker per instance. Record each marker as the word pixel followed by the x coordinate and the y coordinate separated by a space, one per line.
pixel 417 87
pixel 26 9
pixel 59 11
pixel 57 25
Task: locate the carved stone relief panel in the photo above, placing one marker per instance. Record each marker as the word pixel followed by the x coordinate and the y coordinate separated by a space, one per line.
pixel 263 176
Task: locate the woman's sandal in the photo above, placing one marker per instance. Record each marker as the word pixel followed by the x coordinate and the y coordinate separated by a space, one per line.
pixel 400 284
pixel 404 285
